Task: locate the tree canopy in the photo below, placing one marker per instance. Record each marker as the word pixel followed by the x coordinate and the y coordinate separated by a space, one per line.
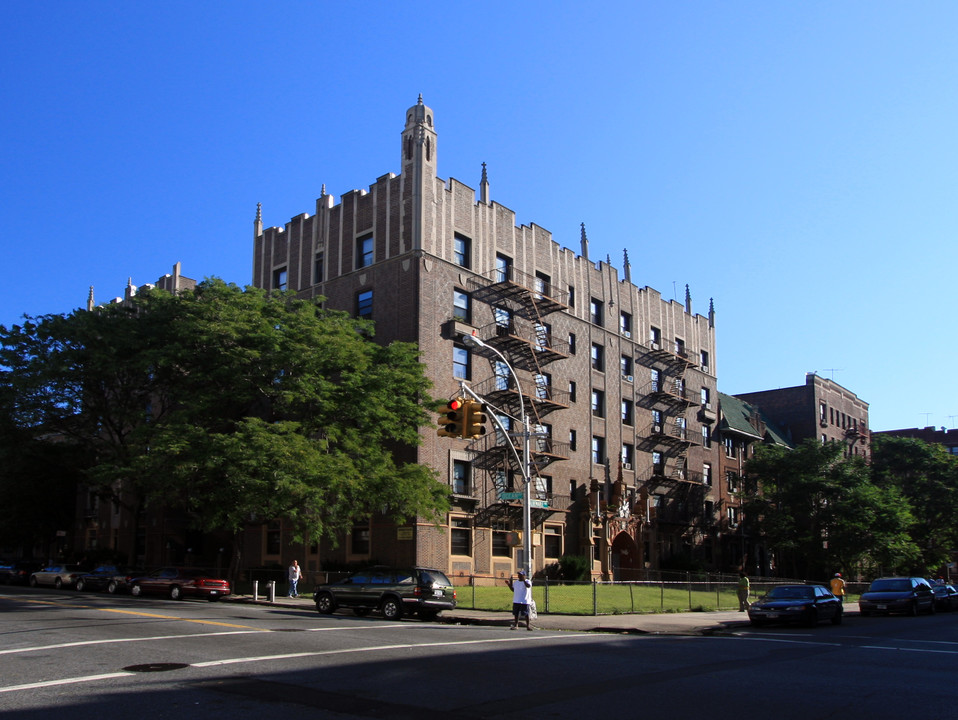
pixel 236 405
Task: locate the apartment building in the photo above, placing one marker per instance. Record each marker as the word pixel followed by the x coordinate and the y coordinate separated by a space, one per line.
pixel 616 382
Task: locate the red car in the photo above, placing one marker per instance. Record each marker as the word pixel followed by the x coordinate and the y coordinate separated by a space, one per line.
pixel 178 583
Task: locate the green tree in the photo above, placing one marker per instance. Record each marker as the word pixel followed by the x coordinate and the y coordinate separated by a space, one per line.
pixel 927 476
pixel 238 406
pixel 820 512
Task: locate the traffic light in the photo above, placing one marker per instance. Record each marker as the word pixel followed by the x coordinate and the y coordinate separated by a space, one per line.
pixel 452 420
pixel 475 422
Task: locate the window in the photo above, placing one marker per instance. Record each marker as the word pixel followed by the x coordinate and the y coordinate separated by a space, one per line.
pixel 729 447
pixel 552 541
pixel 280 278
pixel 658 463
pixel 460 536
pixel 680 347
pixel 461 472
pixel 503 268
pixel 273 536
pixel 657 421
pixel 461 363
pixel 706 437
pixel 598 449
pixel 598 403
pixel 731 480
pixel 572 343
pixel 360 541
pixel 627 412
pixel 572 439
pixel 706 397
pixel 461 306
pixel 503 319
pixel 364 251
pixel 543 339
pixel 628 455
pixel 656 381
pixel 707 474
pixel 571 296
pixel 461 247
pixel 655 337
pixel 572 389
pixel 503 378
pixel 681 427
pixel 625 324
pixel 595 311
pixel 704 360
pixel 364 304
pixel 733 516
pixel 319 267
pixel 543 285
pixel 500 544
pixel 598 359
pixel 822 412
pixel 625 363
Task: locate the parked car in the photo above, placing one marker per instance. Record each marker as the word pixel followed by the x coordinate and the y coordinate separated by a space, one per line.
pixel 19 573
pixel 946 597
pixel 806 604
pixel 910 595
pixel 178 583
pixel 56 575
pixel 393 592
pixel 105 577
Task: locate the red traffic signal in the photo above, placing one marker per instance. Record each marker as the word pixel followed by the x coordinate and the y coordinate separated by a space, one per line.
pixel 452 420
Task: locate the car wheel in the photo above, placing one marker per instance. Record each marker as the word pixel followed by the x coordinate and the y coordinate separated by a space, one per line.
pixel 79 586
pixel 811 619
pixel 913 609
pixel 931 609
pixel 837 617
pixel 33 581
pixel 325 603
pixel 427 615
pixel 111 587
pixel 392 608
pixel 136 590
pixel 58 583
pixel 176 593
pixel 361 611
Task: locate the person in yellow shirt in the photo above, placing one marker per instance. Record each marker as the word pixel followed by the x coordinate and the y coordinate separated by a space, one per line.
pixel 838 586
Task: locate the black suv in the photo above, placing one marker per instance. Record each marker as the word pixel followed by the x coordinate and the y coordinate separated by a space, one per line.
pixel 394 592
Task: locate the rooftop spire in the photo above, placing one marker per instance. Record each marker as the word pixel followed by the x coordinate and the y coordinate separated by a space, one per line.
pixel 585 243
pixel 484 186
pixel 688 300
pixel 258 221
pixel 627 267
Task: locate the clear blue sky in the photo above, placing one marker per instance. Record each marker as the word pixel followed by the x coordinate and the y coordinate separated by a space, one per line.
pixel 796 162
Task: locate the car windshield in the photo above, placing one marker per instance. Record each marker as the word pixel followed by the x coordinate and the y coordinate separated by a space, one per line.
pixel 790 593
pixel 896 585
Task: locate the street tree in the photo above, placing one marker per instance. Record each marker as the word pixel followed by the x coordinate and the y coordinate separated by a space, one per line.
pixel 238 406
pixel 927 476
pixel 819 511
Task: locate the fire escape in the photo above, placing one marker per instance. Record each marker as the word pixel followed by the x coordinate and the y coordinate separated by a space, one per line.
pixel 520 303
pixel 667 401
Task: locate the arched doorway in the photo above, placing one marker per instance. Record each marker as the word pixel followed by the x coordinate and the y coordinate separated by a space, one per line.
pixel 626 559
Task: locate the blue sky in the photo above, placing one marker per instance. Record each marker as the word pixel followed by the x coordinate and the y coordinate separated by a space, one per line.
pixel 796 162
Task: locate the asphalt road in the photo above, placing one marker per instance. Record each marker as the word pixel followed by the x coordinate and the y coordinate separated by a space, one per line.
pixel 95 656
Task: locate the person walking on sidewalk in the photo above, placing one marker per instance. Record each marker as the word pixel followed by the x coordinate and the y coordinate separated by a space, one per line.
pixel 294 574
pixel 743 591
pixel 837 585
pixel 521 599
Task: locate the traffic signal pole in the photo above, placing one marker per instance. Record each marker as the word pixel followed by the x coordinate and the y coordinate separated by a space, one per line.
pixel 474 342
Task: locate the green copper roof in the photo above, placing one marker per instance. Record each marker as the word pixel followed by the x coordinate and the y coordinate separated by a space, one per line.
pixel 737 415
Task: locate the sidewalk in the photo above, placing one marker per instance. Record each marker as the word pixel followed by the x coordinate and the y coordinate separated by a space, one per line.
pixel 683 623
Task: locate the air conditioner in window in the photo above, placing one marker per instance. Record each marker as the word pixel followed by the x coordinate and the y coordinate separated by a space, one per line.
pixel 627 466
pixel 628 378
pixel 655 346
pixel 656 428
pixel 708 406
pixel 705 368
pixel 626 333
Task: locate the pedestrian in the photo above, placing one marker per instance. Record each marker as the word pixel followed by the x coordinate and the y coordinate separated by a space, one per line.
pixel 521 599
pixel 837 585
pixel 294 574
pixel 743 591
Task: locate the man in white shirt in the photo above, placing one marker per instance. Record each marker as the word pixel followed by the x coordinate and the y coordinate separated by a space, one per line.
pixel 521 599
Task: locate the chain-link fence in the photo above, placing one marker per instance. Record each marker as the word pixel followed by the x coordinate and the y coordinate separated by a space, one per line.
pixel 673 592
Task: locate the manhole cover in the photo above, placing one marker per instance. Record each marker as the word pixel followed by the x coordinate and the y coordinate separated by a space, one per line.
pixel 155 667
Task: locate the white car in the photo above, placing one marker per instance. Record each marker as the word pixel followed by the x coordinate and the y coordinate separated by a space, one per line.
pixel 56 575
